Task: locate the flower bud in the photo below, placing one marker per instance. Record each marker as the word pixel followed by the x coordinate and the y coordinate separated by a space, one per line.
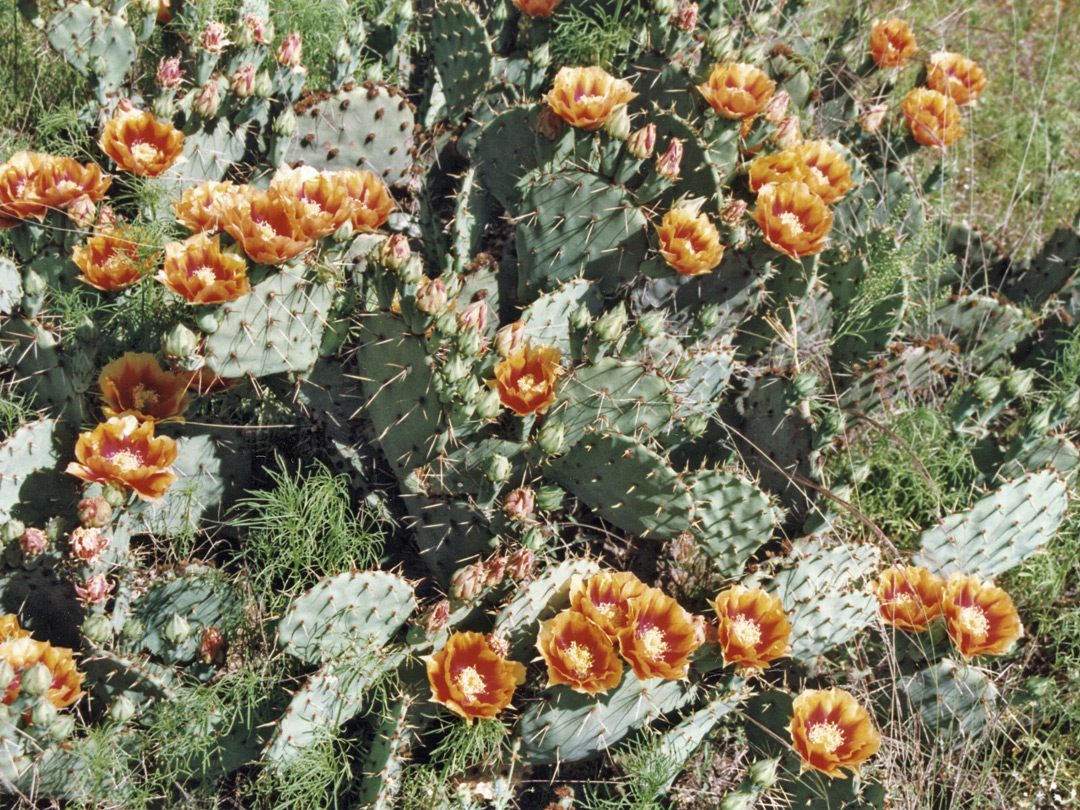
pixel 763 772
pixel 737 801
pixel 494 571
pixel 651 323
pixel 214 38
pixel 642 142
pixel 1019 383
pixel 454 370
pixel 431 297
pixel 114 496
pixel 489 405
pixel 987 388
pixel 212 647
pixel 733 211
pixel 33 542
pixel 777 107
pixel 412 271
pixel 667 165
pixel 290 51
pixel 44 712
pixel 685 19
pixel 708 316
pixel 179 342
pixel 97 628
pixel 94 512
pixel 474 316
pixel 133 629
pixel 721 43
pixel 285 124
pixel 696 424
pixel 62 727
pixel 264 85
pixel 552 437
pixel 243 80
pixel 497 469
pixel 618 125
pixel 469 582
pixel 176 629
pixel 787 132
pixel 533 539
pixel 510 338
pixel 612 323
pixel 7 675
pixel 549 124
pixel 521 563
pixel 83 211
pixel 36 680
pixel 88 544
pixel 805 384
pixel 580 317
pixel 871 120
pixel 395 251
pixel 437 617
pixel 208 100
pixel 122 710
pixel 258 29
pixel 549 498
pixel 519 504
pixel 169 74
pixel 470 390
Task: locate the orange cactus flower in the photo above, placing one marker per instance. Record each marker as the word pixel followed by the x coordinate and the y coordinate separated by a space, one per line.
pixel 753 629
pixel 579 654
pixel 326 203
pixel 199 207
pixel 469 679
pixel 537 8
pixel 981 618
pixel 19 188
pixel 199 271
pixel 141 144
pixel 61 181
pixel 371 200
pixel 891 43
pixel 586 97
pixel 660 637
pixel 793 219
pixel 933 117
pixel 135 383
pixel 24 652
pixel 526 378
pixel 124 451
pixel 269 226
pixel 909 597
pixel 110 261
pixel 737 90
pixel 831 731
pixel 689 242
pixel 827 173
pixel 955 76
pixel 9 628
pixel 785 166
pixel 604 599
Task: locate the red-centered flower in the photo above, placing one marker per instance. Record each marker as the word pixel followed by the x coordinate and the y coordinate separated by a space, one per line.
pixel 199 208
pixel 137 384
pixel 110 260
pixel 370 199
pixel 793 219
pixel 955 76
pixel 660 637
pixel 61 181
pixel 827 173
pixel 125 452
pixel 785 166
pixel 891 43
pixel 19 196
pixel 141 144
pixel 932 117
pixel 752 629
pixel 537 8
pixel 526 379
pixel 689 242
pixel 578 654
pixel 604 599
pixel 909 597
pixel 470 680
pixel 268 225
pixel 831 731
pixel 737 90
pixel 981 618
pixel 327 206
pixel 199 271
pixel 586 97
pixel 23 652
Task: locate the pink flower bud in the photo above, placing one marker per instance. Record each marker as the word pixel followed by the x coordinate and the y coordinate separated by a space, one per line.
pixel 88 543
pixel 495 571
pixel 667 165
pixel 787 133
pixel 431 297
pixel 290 51
pixel 519 504
pixel 685 19
pixel 96 590
pixel 33 542
pixel 214 37
pixel 208 100
pixel 521 564
pixel 169 74
pixel 469 581
pixel 243 81
pixel 94 512
pixel 474 316
pixel 82 211
pixel 733 212
pixel 437 616
pixel 395 251
pixel 776 109
pixel 510 338
pixel 871 120
pixel 259 30
pixel 213 647
pixel 497 644
pixel 642 143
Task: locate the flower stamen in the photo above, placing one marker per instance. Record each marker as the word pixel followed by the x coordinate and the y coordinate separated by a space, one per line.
pixel 470 683
pixel 828 736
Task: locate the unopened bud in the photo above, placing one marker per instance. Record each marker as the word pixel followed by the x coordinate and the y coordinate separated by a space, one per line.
pixel 285 123
pixel 498 468
pixel 431 297
pixel 133 629
pixel 395 251
pixel 264 85
pixel 474 316
pixel 290 52
pixel 651 323
pixel 33 284
pixel 7 675
pixel 489 405
pixel 805 384
pixel 519 504
pixel 696 424
pixel 721 43
pixel 454 369
pixel 83 210
pixel 43 713
pixel 214 38
pixel 494 571
pixel 212 647
pixel 169 74
pixel 987 388
pixel 1019 383
pixel 176 629
pixel 580 317
pixel 33 542
pixel 552 437
pixel 533 539
pixel 667 165
pixel 258 29
pixel 763 772
pixel 179 342
pixel 787 132
pixel 733 212
pixel 36 680
pixel 122 710
pixel 114 495
pixel 12 530
pixel 618 125
pixel 97 628
pixel 469 582
pixel 642 142
pixel 243 81
pixel 549 498
pixel 777 107
pixel 207 100
pixel 871 120
pixel 437 617
pixel 737 801
pixel 470 390
pixel 94 512
pixel 62 727
pixel 521 563
pixel 612 323
pixel 510 338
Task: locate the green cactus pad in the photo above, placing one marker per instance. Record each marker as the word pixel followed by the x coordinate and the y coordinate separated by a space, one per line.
pixel 900 377
pixel 1033 283
pixel 44 603
pixel 33 484
pixel 11 291
pixel 951 700
pixel 448 535
pixel 461 470
pixel 985 328
pixel 42 371
pixel 703 171
pixel 627 484
pixel 357 610
pixel 462 56
pixel 547 319
pixel 110 675
pixel 383 760
pixel 208 154
pixel 506 150
pixel 93 42
pixel 664 86
pixel 1000 531
pixel 201 597
pixel 698 393
pixel 732 518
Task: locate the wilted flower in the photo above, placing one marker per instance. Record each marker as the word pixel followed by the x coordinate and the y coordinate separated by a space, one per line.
pixel 494 571
pixel 737 90
pixel 437 617
pixel 135 383
pixel 109 261
pixel 827 173
pixel 141 144
pixel 909 597
pixel 891 43
pixel 526 378
pixel 685 19
pixel 669 163
pixel 537 8
pixel 199 271
pixel 870 121
pixel 22 652
pixel 641 143
pixel 199 207
pixel 604 599
pixel 549 124
pixel 290 52
pixel 579 654
pixel 33 542
pixel 213 647
pixel 955 76
pixel 733 211
pixel 169 74
pixel 208 99
pixel 689 242
pixel 261 32
pixel 96 590
pixel 831 731
pixel 469 582
pixel 752 628
pixel 586 97
pixel 659 638
pixel 981 618
pixel 94 512
pixel 267 225
pixel 519 504
pixel 793 219
pixel 125 452
pixel 215 37
pixel 88 544
pixel 934 118
pixel 371 200
pixel 243 80
pixel 470 680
